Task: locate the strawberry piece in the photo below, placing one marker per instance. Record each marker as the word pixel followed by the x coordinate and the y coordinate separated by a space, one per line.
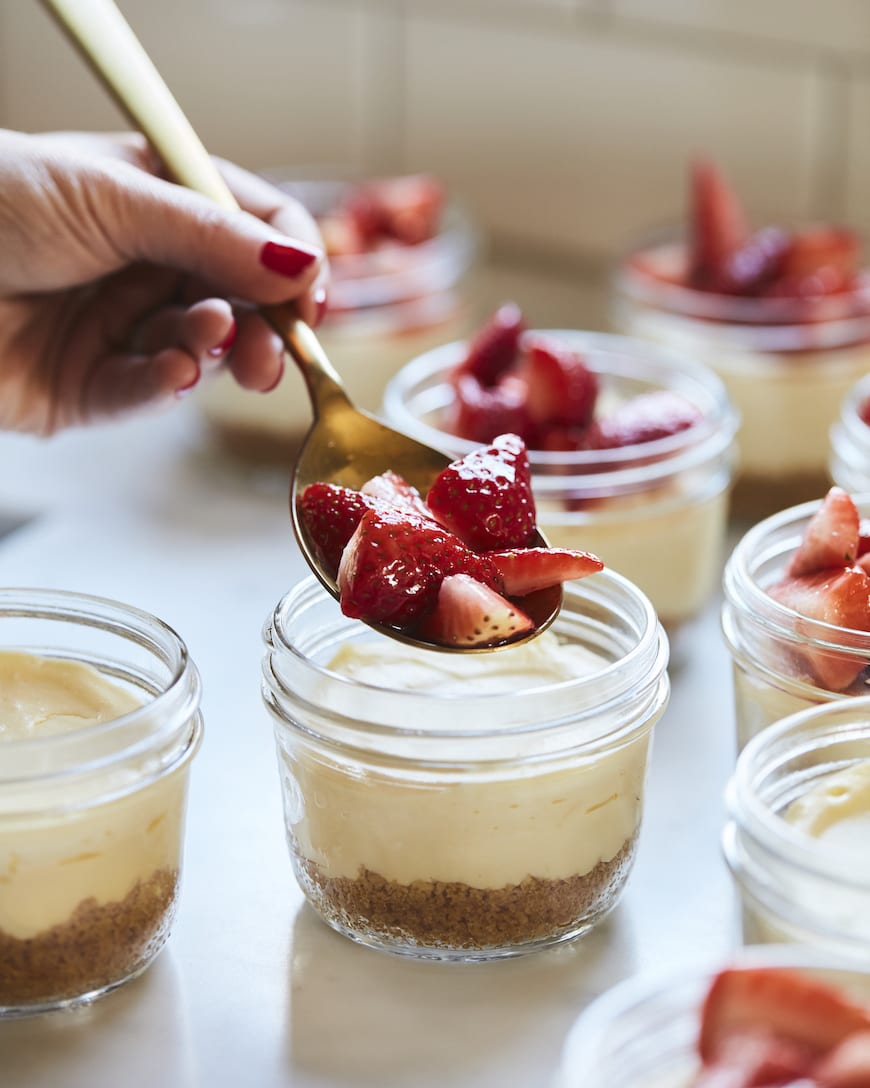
pixel 644 418
pixel 831 536
pixel 394 563
pixel 469 613
pixel 840 598
pixel 530 569
pixel 486 497
pixel 755 264
pixel 407 209
pixel 481 413
pixel 717 225
pixel 785 1004
pixel 562 389
pixel 754 1058
pixel 392 488
pixel 818 261
pixel 331 514
pixel 847 1065
pixel 864 411
pixel 495 347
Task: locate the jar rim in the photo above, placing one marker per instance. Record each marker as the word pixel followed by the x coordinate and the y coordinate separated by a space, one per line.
pixel 626 468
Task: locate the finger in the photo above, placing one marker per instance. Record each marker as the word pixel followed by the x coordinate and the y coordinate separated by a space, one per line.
pixel 257 357
pixel 129 147
pixel 125 383
pixel 205 330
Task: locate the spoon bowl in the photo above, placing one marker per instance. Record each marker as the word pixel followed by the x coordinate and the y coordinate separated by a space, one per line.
pixel 344 445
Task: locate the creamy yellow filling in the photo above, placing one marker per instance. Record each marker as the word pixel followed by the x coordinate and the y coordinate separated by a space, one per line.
pixel 837 811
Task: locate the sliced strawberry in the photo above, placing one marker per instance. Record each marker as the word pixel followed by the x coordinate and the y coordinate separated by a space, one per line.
pixel 752 1058
pixel 394 563
pixel 495 347
pixel 717 224
pixel 330 514
pixel 562 389
pixel 469 613
pixel 529 569
pixel 831 536
pixel 644 418
pixel 786 1004
pixel 405 208
pixel 847 1065
pixel 486 497
pixel 753 266
pixel 818 261
pixel 864 411
pixel 481 413
pixel 392 488
pixel 840 598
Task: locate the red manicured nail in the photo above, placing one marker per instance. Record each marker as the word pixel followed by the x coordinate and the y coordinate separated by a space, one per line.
pixel 277 380
pixel 287 260
pixel 320 303
pixel 185 389
pixel 224 346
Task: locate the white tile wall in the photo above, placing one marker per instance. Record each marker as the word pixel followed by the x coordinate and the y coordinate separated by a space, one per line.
pixel 566 124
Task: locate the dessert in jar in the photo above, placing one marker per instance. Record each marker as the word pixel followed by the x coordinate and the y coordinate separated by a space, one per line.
pixel 456 806
pixel 99 720
pixel 798 830
pixel 782 315
pixel 772 1017
pixel 631 448
pixel 796 614
pixel 401 258
pixel 850 440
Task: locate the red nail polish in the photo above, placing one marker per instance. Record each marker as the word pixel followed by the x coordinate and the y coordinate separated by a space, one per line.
pixel 320 303
pixel 287 260
pixel 185 389
pixel 224 346
pixel 274 384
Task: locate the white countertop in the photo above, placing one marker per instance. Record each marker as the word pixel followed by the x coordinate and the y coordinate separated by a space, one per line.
pixel 252 988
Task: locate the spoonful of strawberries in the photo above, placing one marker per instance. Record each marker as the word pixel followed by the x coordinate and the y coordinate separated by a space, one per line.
pixel 463 568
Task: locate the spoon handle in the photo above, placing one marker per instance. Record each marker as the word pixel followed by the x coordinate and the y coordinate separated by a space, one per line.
pixel 116 55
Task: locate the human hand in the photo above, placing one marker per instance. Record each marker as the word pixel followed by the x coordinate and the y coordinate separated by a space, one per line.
pixel 115 283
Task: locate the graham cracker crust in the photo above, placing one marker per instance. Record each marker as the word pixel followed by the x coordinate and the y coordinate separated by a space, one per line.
pixel 453 915
pixel 100 944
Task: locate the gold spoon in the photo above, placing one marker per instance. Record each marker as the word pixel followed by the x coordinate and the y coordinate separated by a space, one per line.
pixel 344 445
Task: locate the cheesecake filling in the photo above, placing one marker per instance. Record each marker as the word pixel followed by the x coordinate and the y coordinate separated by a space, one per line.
pixel 836 811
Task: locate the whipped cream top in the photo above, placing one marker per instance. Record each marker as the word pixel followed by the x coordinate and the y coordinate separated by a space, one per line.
pixel 44 696
pixel 537 663
pixel 836 810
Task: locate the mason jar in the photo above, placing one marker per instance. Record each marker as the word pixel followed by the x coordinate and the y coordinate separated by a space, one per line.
pixel 99 724
pixel 656 512
pixel 796 837
pixel 850 440
pixel 787 363
pixel 464 807
pixel 775 652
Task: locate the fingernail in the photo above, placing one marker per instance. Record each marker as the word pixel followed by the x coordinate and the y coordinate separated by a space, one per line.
pixel 320 304
pixel 185 389
pixel 277 380
pixel 224 346
pixel 287 260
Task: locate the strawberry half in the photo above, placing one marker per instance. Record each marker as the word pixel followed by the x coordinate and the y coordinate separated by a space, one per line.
pixel 529 569
pixel 831 538
pixel 494 349
pixel 485 498
pixel 786 1004
pixel 644 418
pixel 757 263
pixel 395 562
pixel 330 514
pixel 481 413
pixel 752 1058
pixel 818 261
pixel 840 598
pixel 469 613
pixel 562 390
pixel 847 1065
pixel 717 225
pixel 392 488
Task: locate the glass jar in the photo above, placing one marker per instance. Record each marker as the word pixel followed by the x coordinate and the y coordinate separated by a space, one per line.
pixel 643 1033
pixel 772 647
pixel 850 441
pixel 91 817
pixel 384 307
pixel 786 363
pixel 465 807
pixel 657 512
pixel 794 886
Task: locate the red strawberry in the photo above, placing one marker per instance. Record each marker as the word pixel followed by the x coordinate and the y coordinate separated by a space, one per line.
pixel 405 208
pixel 486 497
pixel 752 1058
pixel 494 349
pixel 787 1004
pixel 644 418
pixel 717 225
pixel 864 411
pixel 831 537
pixel 530 569
pixel 394 563
pixel 840 598
pixel 330 514
pixel 818 261
pixel 468 613
pixel 481 413
pixel 847 1065
pixel 755 264
pixel 392 488
pixel 562 389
